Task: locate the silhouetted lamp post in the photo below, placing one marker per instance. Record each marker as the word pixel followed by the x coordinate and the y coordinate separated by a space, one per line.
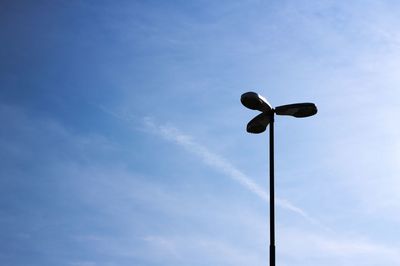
pixel 258 125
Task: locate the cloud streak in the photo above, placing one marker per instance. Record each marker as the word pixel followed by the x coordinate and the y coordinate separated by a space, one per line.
pixel 222 165
pixel 354 249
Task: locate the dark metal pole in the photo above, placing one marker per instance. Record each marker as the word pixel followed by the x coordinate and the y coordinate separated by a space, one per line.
pixel 271 194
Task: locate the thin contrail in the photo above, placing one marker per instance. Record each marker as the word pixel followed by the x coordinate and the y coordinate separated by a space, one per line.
pixel 221 164
pixel 217 162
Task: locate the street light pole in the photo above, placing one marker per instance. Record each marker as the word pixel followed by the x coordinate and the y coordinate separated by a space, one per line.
pixel 271 194
pixel 258 125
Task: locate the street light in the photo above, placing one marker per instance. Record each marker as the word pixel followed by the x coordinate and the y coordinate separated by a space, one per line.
pixel 258 125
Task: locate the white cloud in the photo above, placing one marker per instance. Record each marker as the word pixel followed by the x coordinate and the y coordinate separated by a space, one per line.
pixel 201 250
pixel 294 245
pixel 334 248
pixel 163 245
pixel 221 164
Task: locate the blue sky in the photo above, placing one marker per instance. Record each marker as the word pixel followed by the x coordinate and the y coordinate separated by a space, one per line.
pixel 124 143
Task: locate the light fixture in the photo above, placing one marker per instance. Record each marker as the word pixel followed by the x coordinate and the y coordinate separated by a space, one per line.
pixel 258 125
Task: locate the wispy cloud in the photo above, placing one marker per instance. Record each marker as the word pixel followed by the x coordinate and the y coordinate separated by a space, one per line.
pixel 294 245
pixel 164 244
pixel 220 164
pixel 355 250
pixel 210 250
pixel 215 161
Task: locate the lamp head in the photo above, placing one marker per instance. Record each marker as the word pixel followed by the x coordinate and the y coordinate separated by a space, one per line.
pixel 297 109
pixel 259 123
pixel 255 101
